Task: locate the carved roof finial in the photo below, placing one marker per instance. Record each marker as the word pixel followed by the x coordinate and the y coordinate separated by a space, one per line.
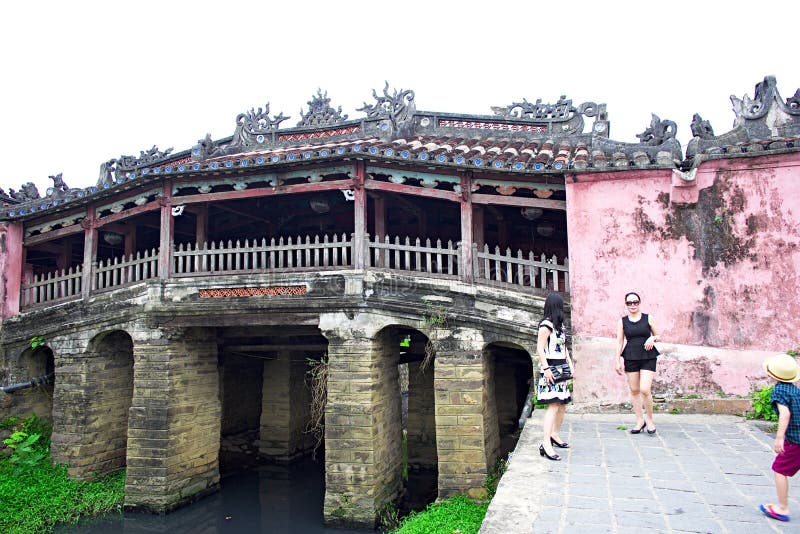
pixel 320 112
pixel 658 132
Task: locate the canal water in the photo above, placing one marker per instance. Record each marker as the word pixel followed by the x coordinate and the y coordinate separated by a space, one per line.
pixel 264 499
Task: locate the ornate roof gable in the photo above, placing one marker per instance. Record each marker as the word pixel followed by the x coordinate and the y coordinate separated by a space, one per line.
pixel 763 118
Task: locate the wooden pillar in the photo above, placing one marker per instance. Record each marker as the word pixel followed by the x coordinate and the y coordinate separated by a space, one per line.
pixel 11 262
pixel 201 223
pixel 130 241
pixel 89 226
pixel 466 229
pixel 360 238
pixel 64 259
pixel 478 225
pixel 167 230
pixel 380 216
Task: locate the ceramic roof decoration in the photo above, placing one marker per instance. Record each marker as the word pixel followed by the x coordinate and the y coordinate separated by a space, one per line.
pixel 519 139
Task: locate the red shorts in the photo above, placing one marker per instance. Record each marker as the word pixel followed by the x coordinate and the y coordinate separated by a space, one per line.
pixel 787 463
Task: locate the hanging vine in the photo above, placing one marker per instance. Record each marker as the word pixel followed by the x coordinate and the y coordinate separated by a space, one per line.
pixel 317 382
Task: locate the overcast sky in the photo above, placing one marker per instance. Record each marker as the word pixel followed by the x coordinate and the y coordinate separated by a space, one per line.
pixel 83 82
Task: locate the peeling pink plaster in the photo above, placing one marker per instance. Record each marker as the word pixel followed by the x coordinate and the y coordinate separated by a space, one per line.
pixel 10 268
pixel 746 305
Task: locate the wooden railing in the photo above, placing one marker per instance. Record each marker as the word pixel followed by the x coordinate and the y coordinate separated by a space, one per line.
pixel 505 268
pixel 52 287
pixel 416 256
pixel 118 272
pixel 255 257
pixel 286 255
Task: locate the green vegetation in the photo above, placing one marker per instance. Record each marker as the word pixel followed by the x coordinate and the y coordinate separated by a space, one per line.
pixel 38 341
pixel 35 494
pixel 458 514
pixel 762 408
pixel 622 427
pixel 675 411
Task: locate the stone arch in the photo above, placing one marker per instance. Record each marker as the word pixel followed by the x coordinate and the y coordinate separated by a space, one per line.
pixel 38 365
pixel 415 364
pixel 109 374
pixel 513 378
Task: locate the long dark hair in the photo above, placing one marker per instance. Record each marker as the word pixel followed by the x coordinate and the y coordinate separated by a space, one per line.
pixel 554 310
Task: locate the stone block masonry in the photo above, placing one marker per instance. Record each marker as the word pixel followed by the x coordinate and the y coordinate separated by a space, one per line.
pixel 174 428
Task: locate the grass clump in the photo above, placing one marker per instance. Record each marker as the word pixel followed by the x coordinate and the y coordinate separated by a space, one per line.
pixel 36 495
pixel 458 514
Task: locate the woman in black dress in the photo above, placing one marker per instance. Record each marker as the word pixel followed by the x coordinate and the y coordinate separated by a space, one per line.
pixel 551 348
pixel 636 337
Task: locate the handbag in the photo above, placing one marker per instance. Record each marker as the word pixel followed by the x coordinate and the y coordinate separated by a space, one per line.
pixel 561 372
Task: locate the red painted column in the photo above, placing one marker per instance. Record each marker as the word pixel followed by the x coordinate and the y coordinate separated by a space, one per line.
pixel 466 229
pixel 11 259
pixel 201 224
pixel 360 238
pixel 89 250
pixel 167 232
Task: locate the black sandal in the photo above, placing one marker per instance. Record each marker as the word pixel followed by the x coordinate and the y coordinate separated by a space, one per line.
pixel 543 452
pixel 639 430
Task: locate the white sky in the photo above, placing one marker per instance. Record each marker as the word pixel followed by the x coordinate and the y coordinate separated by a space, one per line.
pixel 82 82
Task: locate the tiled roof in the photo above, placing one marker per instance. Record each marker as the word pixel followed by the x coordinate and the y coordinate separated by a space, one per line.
pixel 522 138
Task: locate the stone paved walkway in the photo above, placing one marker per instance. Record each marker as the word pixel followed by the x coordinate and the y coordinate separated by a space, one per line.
pixel 699 473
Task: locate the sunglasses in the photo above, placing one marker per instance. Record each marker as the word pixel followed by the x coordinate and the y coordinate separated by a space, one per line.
pixel 632 302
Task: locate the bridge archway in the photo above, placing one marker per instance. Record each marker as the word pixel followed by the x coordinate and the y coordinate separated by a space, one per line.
pixel 109 366
pixel 415 359
pixel 513 377
pixel 36 364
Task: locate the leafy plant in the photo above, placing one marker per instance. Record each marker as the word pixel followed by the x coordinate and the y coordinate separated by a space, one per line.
pixel 675 411
pixel 762 407
pixel 622 427
pixel 38 341
pixel 494 476
pixel 25 451
pixel 9 422
pixel 389 516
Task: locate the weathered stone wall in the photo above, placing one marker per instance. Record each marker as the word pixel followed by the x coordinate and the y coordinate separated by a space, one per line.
pixel 363 434
pixel 466 419
pixel 174 428
pixel 709 252
pixel 24 364
pixel 92 396
pixel 421 426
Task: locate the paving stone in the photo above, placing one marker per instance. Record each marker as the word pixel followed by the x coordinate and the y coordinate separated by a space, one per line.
pixel 694 523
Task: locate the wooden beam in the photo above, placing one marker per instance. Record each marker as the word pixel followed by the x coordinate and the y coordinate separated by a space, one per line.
pixel 52 235
pixel 522 202
pixel 264 192
pixel 379 202
pixel 116 217
pixel 411 190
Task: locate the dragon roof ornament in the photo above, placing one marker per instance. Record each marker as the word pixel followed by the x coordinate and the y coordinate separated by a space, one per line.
pixel 567 118
pixel 762 117
pixel 397 108
pixel 320 112
pixel 252 126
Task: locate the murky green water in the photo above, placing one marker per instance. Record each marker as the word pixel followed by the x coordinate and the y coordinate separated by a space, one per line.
pixel 264 499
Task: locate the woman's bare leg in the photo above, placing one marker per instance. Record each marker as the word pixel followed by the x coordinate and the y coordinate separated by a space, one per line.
pixel 645 389
pixel 561 410
pixel 636 397
pixel 548 422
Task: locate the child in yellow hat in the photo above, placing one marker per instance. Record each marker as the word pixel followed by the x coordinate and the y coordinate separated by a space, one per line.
pixel 785 400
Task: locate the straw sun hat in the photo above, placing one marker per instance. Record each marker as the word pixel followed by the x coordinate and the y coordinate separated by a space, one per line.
pixel 783 368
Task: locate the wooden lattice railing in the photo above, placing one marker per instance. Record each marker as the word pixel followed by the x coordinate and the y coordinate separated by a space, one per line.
pixel 416 256
pixel 506 268
pixel 515 271
pixel 263 256
pixel 49 288
pixel 118 272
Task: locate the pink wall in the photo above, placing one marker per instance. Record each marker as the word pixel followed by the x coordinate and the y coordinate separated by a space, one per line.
pixel 10 268
pixel 716 263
